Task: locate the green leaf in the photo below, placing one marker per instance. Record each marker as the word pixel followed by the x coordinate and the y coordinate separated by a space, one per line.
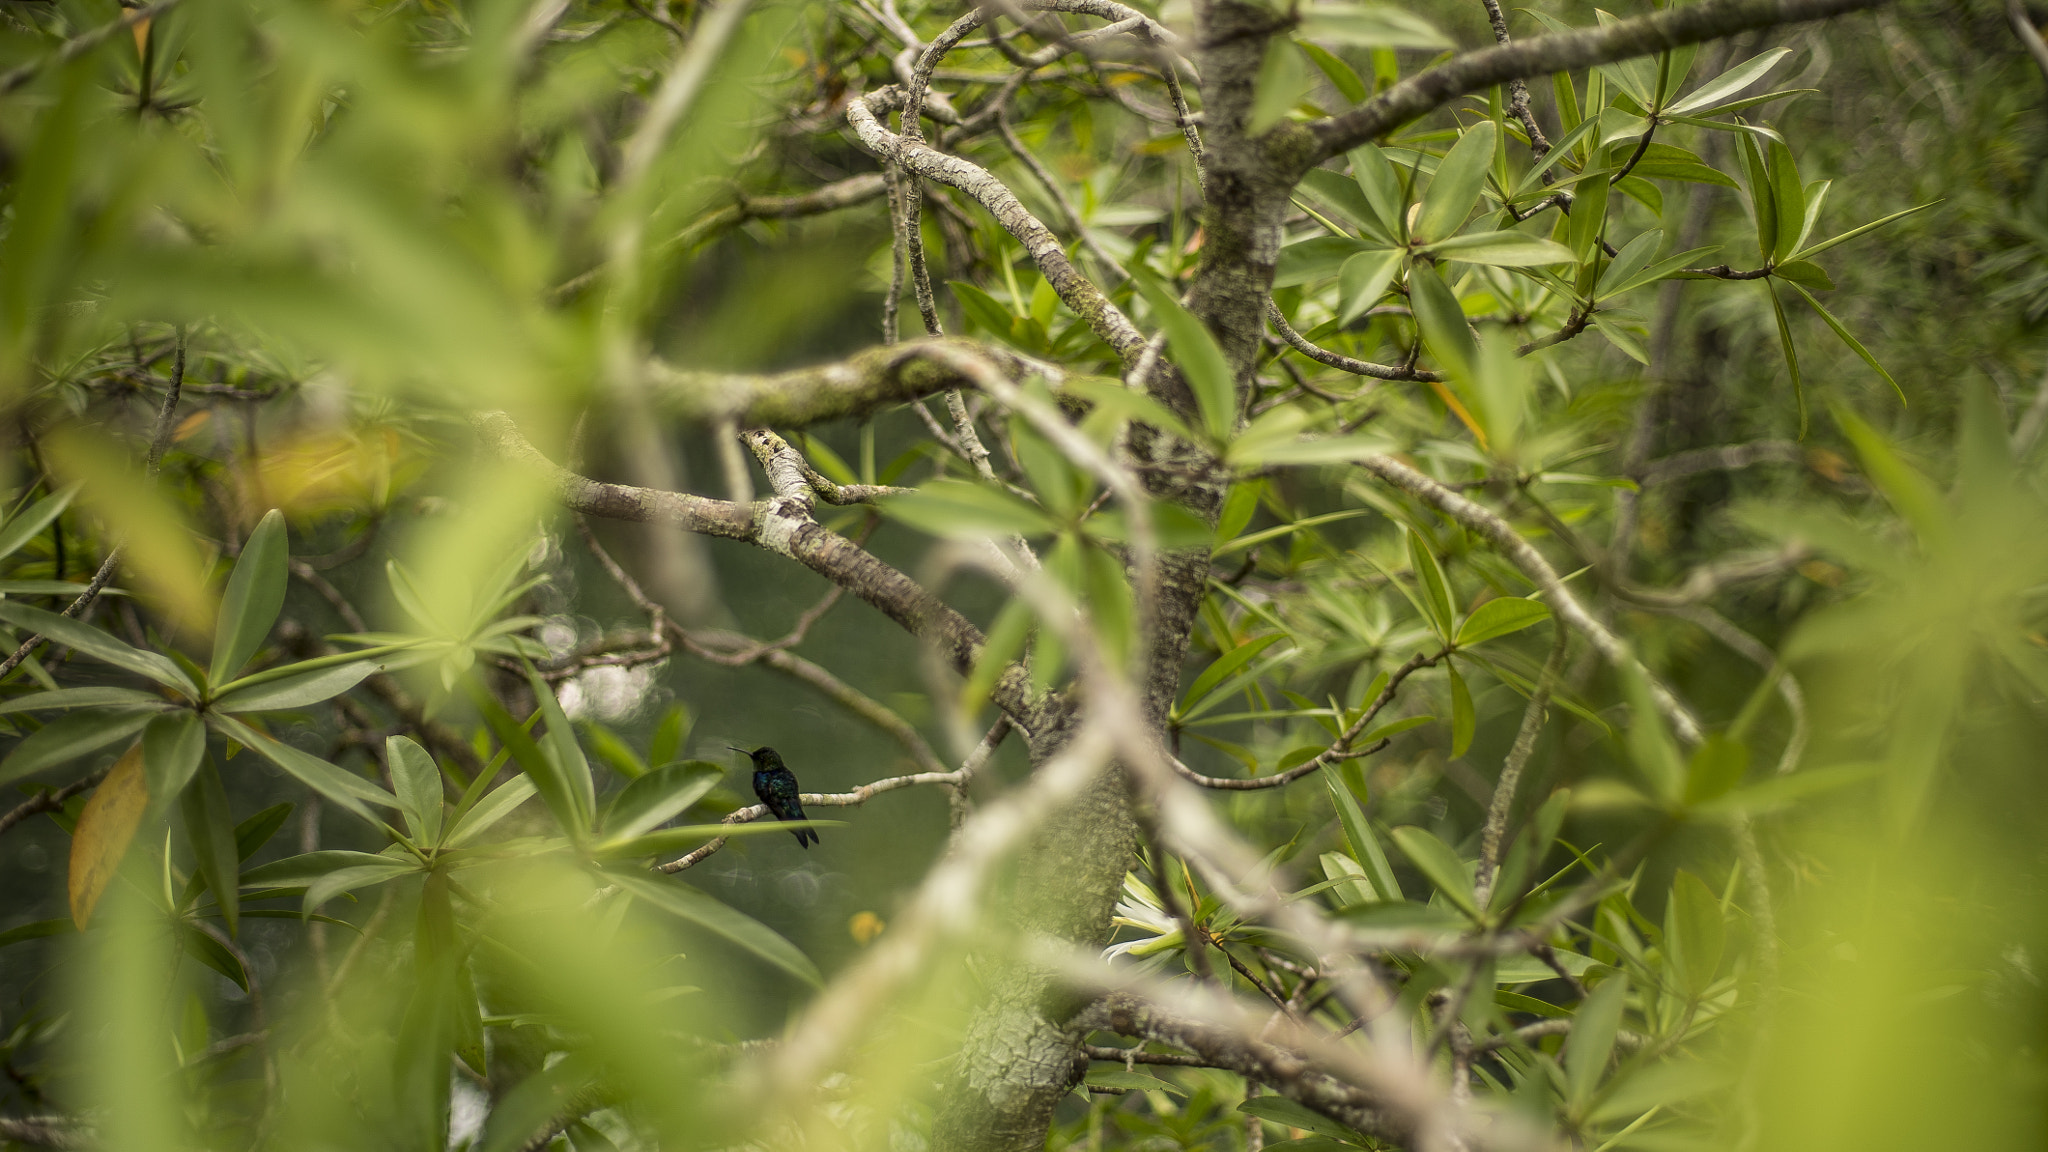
pixel 1588 220
pixel 961 510
pixel 1338 195
pixel 1288 1114
pixel 1783 791
pixel 1115 1077
pixel 557 790
pixel 254 596
pixel 1502 250
pixel 689 904
pixel 1633 258
pixel 1373 25
pixel 660 796
pixel 498 804
pixel 1443 323
pixel 1654 272
pixel 1500 616
pixel 172 746
pixel 1621 338
pixel 1316 258
pixel 1365 847
pixel 1464 721
pixel 1340 74
pixel 1459 179
pixel 1282 82
pixel 1695 932
pixel 1650 745
pixel 83 698
pixel 1763 204
pixel 1791 352
pixel 1592 1040
pixel 1789 197
pixel 1806 274
pixel 1730 82
pixel 1201 360
pixel 253 833
pixel 983 309
pixel 1381 186
pixel 1436 593
pixel 297 690
pixel 1717 766
pixel 71 736
pixel 1435 860
pixel 36 930
pixel 345 880
pixel 1853 233
pixel 343 787
pixel 1854 344
pixel 1129 404
pixel 96 644
pixel 1224 666
pixel 303 869
pixel 1363 279
pixel 416 779
pixel 212 832
pixel 568 755
pixel 24 525
pixel 666 745
pixel 208 951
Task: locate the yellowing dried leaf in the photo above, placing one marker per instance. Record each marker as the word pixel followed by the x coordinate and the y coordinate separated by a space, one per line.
pixel 105 827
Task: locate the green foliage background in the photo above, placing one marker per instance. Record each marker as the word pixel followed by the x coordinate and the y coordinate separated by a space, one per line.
pixel 347 227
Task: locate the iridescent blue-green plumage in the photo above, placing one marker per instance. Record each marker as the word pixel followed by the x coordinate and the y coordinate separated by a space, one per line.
pixel 775 784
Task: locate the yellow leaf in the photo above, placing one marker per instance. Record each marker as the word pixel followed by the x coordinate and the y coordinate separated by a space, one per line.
pixel 104 830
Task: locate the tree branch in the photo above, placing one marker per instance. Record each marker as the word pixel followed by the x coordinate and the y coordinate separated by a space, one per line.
pixel 782 526
pixel 1476 71
pixel 1525 556
pixel 862 383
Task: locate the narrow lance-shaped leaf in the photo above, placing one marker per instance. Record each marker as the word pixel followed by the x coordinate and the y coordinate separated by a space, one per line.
pixel 71 736
pixel 1456 186
pixel 1592 1038
pixel 1853 233
pixel 35 518
pixel 1442 322
pixel 344 788
pixel 658 797
pixel 1854 344
pixel 417 780
pixel 1436 860
pixel 173 745
pixel 105 828
pixel 1464 721
pixel 1791 352
pixel 1436 593
pixel 254 596
pixel 1364 845
pixel 1789 198
pixel 548 777
pixel 211 830
pixel 721 919
pixel 1500 616
pixel 1201 360
pixel 1730 82
pixel 95 643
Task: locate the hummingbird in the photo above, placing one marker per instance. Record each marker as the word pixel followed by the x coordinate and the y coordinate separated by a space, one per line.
pixel 775 784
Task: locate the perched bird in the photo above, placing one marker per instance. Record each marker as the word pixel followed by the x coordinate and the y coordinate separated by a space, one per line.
pixel 775 784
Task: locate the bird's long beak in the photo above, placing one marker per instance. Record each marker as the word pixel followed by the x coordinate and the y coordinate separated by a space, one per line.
pixel 739 749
